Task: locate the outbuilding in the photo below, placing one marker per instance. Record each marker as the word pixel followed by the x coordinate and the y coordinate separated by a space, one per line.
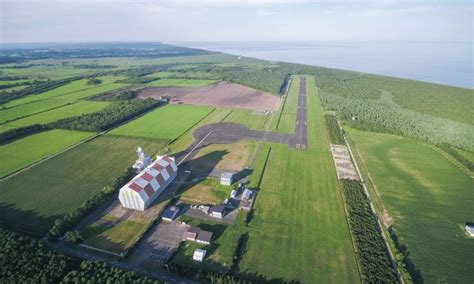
pixel 247 195
pixel 199 255
pixel 470 230
pixel 204 237
pixel 191 234
pixel 217 211
pixel 170 213
pixel 226 178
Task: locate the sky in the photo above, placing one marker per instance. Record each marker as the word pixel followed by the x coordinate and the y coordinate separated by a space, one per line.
pixel 234 20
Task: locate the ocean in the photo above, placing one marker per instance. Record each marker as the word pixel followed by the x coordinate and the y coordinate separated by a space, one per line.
pixel 449 63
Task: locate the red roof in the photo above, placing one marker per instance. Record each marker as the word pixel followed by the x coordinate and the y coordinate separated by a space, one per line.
pixel 135 187
pixel 169 169
pixel 149 190
pixel 158 167
pixel 168 159
pixel 146 176
pixel 160 179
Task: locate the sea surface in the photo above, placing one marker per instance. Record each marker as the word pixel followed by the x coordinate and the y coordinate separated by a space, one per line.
pixel 449 63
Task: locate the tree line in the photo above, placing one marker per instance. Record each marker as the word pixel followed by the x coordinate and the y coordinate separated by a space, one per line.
pixel 108 117
pixel 34 89
pixel 334 131
pixel 373 256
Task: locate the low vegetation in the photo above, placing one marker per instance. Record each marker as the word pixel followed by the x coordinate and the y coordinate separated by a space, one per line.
pixel 32 200
pixel 424 196
pixel 166 122
pixel 20 153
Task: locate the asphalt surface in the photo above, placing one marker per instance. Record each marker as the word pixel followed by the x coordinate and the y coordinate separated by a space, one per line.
pixel 300 137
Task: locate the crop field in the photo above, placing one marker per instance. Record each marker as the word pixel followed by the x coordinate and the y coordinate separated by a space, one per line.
pixel 427 198
pixel 285 119
pixel 166 122
pixel 33 199
pixel 22 152
pixel 4 128
pixel 299 230
pixel 165 82
pixel 74 90
pixel 20 111
pixel 116 238
pixel 75 109
pixel 249 118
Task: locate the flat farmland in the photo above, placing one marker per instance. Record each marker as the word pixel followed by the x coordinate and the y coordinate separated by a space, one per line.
pixel 33 199
pixel 78 87
pixel 428 200
pixel 75 109
pixel 21 111
pixel 285 119
pixel 166 82
pixel 166 122
pixel 221 94
pixel 299 230
pixel 22 152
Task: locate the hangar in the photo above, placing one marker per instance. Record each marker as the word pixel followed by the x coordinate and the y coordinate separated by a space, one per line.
pixel 145 187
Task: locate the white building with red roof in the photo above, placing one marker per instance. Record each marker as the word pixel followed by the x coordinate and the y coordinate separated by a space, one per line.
pixel 145 187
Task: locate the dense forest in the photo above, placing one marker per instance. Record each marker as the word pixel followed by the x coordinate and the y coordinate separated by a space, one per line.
pixel 373 256
pixel 27 260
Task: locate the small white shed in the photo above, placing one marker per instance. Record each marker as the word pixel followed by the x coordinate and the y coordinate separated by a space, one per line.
pixel 226 178
pixel 470 230
pixel 199 255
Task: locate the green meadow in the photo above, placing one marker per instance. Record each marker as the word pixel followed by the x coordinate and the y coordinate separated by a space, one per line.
pixel 75 109
pixel 428 199
pixel 299 230
pixel 166 122
pixel 22 152
pixel 61 184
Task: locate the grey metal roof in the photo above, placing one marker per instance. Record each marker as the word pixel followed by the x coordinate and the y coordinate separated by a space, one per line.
pixel 217 208
pixel 204 236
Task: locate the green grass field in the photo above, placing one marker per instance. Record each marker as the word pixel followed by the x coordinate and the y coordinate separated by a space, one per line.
pixel 428 198
pixel 285 119
pixel 33 199
pixel 191 83
pixel 166 122
pixel 24 110
pixel 116 239
pixel 22 152
pixel 299 231
pixel 247 118
pixel 75 109
pixel 74 90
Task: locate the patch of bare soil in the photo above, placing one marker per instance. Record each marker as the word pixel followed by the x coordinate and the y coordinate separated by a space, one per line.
pixel 221 94
pixel 387 219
